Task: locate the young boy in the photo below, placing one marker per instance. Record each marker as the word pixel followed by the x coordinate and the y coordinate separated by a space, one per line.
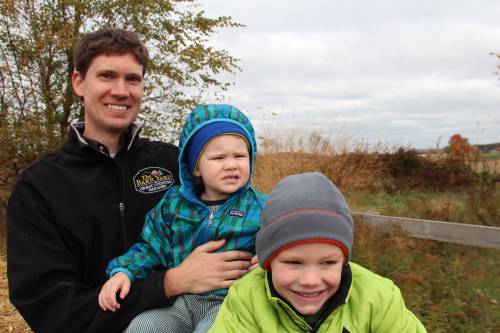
pixel 213 202
pixel 307 283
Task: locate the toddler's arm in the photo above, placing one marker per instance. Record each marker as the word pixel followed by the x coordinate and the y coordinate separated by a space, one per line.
pixel 107 297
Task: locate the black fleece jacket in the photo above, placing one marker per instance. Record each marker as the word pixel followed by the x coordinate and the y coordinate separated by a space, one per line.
pixel 68 215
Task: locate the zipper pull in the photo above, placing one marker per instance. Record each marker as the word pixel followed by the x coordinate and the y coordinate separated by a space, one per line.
pixel 210 218
pixel 122 209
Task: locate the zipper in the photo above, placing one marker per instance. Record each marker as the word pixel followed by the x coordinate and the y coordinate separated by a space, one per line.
pixel 122 209
pixel 210 218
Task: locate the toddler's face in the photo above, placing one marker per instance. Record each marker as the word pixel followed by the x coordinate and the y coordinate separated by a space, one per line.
pixel 224 166
pixel 307 275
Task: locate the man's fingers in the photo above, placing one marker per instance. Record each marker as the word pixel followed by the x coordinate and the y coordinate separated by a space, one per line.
pixel 210 246
pixel 236 265
pixel 234 274
pixel 253 266
pixel 255 260
pixel 236 255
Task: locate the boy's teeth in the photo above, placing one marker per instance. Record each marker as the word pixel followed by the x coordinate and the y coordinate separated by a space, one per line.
pixel 309 294
pixel 117 107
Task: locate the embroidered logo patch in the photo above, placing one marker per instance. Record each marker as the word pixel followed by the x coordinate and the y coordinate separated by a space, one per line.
pixel 152 180
pixel 235 212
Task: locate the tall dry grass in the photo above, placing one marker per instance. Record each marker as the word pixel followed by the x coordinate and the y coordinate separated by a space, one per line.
pixel 350 166
pixel 11 320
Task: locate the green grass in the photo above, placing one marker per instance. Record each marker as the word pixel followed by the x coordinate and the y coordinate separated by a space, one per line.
pixel 450 287
pixel 477 204
pixel 490 156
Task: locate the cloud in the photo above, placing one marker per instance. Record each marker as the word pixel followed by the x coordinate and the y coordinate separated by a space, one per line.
pixel 397 71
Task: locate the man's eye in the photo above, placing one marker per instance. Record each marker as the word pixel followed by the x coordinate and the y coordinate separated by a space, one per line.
pixel 135 80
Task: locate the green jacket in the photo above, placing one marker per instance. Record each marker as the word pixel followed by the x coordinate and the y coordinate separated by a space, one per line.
pixel 370 303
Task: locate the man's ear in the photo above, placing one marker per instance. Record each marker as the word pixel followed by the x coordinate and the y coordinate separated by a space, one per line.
pixel 77 81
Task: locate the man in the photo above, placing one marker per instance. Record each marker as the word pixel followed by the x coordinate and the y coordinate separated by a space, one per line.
pixel 77 208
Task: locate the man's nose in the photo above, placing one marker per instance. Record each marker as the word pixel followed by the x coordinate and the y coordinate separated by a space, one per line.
pixel 120 89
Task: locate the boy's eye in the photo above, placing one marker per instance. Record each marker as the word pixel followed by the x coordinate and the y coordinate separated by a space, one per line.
pixel 330 262
pixel 291 262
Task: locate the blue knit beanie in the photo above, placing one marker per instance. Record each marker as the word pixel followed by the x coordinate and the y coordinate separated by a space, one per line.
pixel 205 134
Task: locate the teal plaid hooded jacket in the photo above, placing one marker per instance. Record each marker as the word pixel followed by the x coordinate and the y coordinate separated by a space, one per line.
pixel 180 221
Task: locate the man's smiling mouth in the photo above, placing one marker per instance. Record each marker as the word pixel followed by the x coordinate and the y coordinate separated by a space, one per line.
pixel 117 107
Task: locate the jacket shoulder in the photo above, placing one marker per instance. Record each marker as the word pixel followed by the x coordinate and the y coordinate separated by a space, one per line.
pixel 364 279
pixel 166 147
pixel 41 166
pixel 249 291
pixel 257 196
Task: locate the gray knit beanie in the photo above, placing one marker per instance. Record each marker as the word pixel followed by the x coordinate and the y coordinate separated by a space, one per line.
pixel 300 209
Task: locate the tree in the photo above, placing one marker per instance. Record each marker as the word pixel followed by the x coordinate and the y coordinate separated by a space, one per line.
pixel 461 149
pixel 36 98
pixel 36 40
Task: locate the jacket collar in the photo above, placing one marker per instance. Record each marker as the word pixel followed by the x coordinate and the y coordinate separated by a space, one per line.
pixel 127 140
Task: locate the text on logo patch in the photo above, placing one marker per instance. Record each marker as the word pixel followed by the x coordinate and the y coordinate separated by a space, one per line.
pixel 152 180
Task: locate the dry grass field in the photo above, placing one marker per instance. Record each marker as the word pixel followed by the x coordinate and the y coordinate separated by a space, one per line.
pixel 11 321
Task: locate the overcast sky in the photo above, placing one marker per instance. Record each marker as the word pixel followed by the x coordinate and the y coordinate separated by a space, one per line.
pixel 393 71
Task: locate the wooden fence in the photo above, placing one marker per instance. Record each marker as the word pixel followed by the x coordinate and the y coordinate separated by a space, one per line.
pixel 468 234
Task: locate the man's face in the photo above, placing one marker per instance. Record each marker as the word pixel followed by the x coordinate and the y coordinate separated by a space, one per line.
pixel 112 91
pixel 307 275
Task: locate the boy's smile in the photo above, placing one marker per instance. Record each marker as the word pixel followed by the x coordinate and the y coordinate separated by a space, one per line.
pixel 224 166
pixel 307 275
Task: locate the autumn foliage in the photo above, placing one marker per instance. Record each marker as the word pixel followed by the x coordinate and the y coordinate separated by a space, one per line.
pixel 461 149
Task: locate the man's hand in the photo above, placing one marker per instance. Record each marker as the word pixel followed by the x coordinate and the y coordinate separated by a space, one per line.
pixel 204 271
pixel 107 296
pixel 254 263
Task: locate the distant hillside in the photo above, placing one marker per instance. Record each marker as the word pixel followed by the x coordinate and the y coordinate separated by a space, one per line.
pixel 489 147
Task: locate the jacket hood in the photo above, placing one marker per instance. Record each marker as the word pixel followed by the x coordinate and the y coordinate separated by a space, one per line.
pixel 199 117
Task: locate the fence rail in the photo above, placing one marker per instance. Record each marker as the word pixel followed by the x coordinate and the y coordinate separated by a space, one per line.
pixel 468 234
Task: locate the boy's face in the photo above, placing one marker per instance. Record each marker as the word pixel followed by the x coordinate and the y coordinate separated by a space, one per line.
pixel 224 166
pixel 112 91
pixel 307 275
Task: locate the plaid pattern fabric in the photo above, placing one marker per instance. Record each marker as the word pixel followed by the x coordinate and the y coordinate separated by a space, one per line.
pixel 189 314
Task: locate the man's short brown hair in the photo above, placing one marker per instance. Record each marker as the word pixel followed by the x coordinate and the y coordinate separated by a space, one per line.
pixel 108 41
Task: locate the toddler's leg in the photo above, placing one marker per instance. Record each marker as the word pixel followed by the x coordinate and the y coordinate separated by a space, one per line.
pixel 175 319
pixel 204 310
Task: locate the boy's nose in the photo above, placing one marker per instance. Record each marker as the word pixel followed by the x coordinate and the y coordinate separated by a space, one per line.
pixel 310 278
pixel 230 164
